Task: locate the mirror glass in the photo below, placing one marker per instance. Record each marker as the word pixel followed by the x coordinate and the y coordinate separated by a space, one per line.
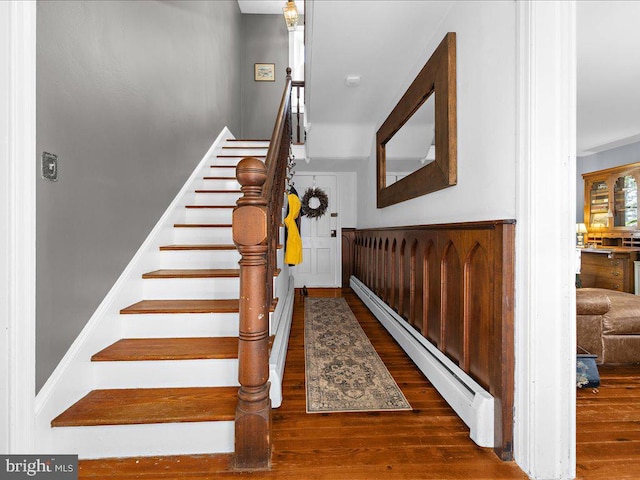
pixel 414 145
pixel 625 202
pixel 599 206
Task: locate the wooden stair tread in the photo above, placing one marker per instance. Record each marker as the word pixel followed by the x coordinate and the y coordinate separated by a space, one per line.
pixel 244 148
pixel 198 247
pixel 247 140
pixel 182 306
pixel 139 349
pixel 151 405
pixel 197 273
pixel 218 191
pixel 186 306
pixel 194 273
pixel 210 206
pixel 202 225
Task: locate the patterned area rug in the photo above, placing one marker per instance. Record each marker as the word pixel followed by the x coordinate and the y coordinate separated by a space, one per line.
pixel 343 371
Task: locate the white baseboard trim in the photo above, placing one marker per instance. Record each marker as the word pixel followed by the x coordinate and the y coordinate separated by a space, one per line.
pixel 473 404
pixel 280 346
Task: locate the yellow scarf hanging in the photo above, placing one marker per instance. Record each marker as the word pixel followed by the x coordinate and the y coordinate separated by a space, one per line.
pixel 293 249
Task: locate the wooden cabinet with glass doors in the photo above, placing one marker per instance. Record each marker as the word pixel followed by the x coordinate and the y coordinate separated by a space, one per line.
pixel 611 205
pixel 611 218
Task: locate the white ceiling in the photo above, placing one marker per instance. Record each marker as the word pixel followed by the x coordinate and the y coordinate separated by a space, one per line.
pixel 267 6
pixel 380 42
pixel 608 47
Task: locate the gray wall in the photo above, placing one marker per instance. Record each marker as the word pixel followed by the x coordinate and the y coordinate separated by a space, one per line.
pixel 599 161
pixel 130 95
pixel 264 40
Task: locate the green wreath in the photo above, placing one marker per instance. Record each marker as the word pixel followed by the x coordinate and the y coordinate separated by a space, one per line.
pixel 321 209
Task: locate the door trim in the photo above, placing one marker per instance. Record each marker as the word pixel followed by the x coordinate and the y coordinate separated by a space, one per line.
pixel 545 329
pixel 18 212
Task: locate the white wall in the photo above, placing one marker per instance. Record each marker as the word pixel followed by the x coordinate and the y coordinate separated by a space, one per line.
pixel 130 95
pixel 347 199
pixel 486 82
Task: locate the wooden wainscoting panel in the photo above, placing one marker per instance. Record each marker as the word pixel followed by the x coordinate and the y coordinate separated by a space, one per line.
pixel 432 329
pixel 451 317
pixel 477 315
pixel 348 255
pixel 454 284
pixel 417 286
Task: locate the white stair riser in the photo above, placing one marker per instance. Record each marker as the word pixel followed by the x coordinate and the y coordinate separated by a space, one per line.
pixel 246 143
pixel 216 198
pixel 166 374
pixel 220 184
pixel 199 258
pixel 227 159
pixel 245 152
pixel 221 172
pixel 143 440
pixel 202 235
pixel 180 325
pixel 208 215
pixel 191 288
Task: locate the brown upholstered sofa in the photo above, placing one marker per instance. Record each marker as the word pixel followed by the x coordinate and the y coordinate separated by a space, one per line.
pixel 609 324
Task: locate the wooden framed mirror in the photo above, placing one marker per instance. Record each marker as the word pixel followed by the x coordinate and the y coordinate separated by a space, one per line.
pixel 431 172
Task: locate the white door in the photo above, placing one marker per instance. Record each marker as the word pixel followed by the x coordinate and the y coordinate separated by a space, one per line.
pixel 319 236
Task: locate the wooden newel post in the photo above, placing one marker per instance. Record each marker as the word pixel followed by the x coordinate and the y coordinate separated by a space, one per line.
pixel 253 413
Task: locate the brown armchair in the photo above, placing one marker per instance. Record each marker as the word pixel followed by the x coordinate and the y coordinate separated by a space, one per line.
pixel 608 325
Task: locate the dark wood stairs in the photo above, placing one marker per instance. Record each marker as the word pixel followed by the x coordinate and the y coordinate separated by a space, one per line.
pixel 129 406
pixel 194 273
pixel 198 247
pixel 210 206
pixel 179 404
pixel 202 225
pixel 141 349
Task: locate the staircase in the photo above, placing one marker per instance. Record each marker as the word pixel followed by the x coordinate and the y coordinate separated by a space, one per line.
pixel 169 383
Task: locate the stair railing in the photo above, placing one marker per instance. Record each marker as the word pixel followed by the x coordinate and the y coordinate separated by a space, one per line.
pixel 298 91
pixel 256 226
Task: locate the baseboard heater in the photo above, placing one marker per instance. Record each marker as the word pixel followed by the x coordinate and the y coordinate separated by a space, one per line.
pixel 473 404
pixel 278 355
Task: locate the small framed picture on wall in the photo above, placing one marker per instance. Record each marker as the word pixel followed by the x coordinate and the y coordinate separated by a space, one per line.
pixel 264 72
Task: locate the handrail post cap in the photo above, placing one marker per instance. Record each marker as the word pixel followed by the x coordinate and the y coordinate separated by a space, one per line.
pixel 251 171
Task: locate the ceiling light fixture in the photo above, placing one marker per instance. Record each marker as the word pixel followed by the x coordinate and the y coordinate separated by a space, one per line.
pixel 290 12
pixel 352 80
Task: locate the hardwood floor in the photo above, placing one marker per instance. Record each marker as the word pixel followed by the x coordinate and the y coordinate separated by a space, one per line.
pixel 430 442
pixel 608 426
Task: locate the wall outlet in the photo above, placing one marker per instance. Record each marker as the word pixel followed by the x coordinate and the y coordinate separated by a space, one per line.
pixel 50 166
